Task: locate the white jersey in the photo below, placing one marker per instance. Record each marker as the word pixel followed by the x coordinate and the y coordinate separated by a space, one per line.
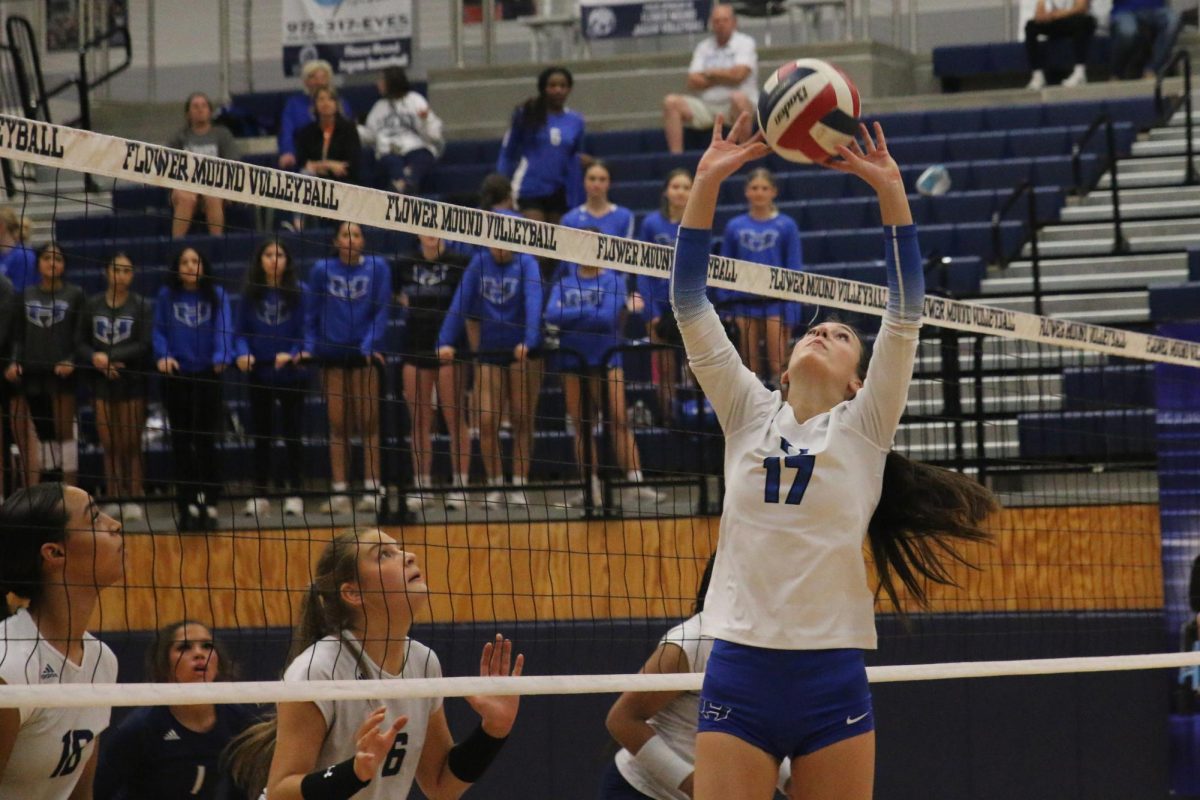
pixel 397 127
pixel 790 573
pixel 332 659
pixel 676 723
pixel 53 744
pixel 740 50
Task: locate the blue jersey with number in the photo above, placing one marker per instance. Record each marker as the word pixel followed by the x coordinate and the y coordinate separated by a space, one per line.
pixel 657 229
pixel 774 242
pixel 544 160
pixel 151 754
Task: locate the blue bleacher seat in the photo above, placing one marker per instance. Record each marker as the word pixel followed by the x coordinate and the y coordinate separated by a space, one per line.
pixel 955 64
pixel 976 146
pixel 918 149
pixel 1049 141
pixel 1111 386
pixel 1179 303
pixel 1000 174
pixel 1011 117
pixel 1081 435
pixel 904 123
pixel 954 121
pixel 611 143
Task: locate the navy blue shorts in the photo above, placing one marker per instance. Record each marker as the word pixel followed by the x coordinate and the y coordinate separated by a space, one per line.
pixel 786 702
pixel 613 786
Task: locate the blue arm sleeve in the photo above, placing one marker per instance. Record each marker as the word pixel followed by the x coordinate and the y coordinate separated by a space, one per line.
pixel 510 148
pixel 533 301
pixel 689 273
pixel 162 310
pixel 452 325
pixel 905 273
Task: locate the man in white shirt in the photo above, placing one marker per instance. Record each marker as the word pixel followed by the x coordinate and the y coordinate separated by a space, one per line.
pixel 722 79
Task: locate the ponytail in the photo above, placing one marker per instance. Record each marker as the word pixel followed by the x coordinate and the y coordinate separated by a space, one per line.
pixel 248 756
pixel 924 513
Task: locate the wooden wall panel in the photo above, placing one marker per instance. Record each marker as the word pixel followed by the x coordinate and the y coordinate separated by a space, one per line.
pixel 1044 559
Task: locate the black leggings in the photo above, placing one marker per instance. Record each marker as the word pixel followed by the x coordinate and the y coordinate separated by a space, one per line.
pixel 1079 28
pixel 289 422
pixel 195 411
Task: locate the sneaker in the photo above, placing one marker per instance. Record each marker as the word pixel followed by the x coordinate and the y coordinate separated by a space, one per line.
pixel 496 497
pixel 1076 78
pixel 516 497
pixel 650 495
pixel 133 512
pixel 256 507
pixel 337 504
pixel 372 502
pixel 1037 81
pixel 455 498
pixel 293 507
pixel 111 509
pixel 414 503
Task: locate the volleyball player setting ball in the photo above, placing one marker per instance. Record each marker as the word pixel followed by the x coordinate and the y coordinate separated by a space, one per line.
pixel 810 474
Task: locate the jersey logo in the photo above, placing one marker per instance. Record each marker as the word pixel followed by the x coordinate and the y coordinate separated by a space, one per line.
pixel 46 315
pixel 555 137
pixel 191 315
pixel 351 289
pixel 713 711
pixel 171 736
pixel 758 241
pixel 787 446
pixel 582 298
pixel 664 238
pixel 498 291
pixel 859 718
pixel 112 330
pixel 48 673
pixel 429 274
pixel 273 312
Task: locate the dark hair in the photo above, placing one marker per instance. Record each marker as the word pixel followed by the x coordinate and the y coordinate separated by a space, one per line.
pixel 705 580
pixel 664 207
pixel 924 512
pixel 597 162
pixel 533 111
pixel 256 276
pixel 495 189
pixel 395 83
pixel 47 247
pixel 29 518
pixel 333 94
pixel 187 104
pixel 204 284
pixel 159 666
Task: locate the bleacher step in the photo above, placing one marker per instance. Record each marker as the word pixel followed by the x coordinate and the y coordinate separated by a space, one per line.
pixel 1079 282
pixel 1165 147
pixel 1163 177
pixel 1136 166
pixel 1150 195
pixel 1084 488
pixel 1004 354
pixel 1158 209
pixel 1104 246
pixel 1096 266
pixel 1102 307
pixel 1141 229
pixel 935 440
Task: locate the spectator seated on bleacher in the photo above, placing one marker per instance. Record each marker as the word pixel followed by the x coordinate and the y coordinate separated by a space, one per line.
pixel 1059 19
pixel 298 110
pixel 200 136
pixel 405 131
pixel 329 146
pixel 1143 34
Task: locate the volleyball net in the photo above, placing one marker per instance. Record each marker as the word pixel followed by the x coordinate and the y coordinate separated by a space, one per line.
pixel 571 499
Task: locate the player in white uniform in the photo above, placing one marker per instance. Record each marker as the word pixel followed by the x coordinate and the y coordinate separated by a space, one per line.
pixel 355 620
pixel 810 476
pixel 657 730
pixel 57 551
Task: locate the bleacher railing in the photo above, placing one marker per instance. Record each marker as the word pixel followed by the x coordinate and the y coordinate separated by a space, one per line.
pixel 1120 243
pixel 1024 189
pixel 1189 174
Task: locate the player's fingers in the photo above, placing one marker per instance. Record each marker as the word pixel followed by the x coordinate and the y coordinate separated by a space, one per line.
pixel 399 724
pixel 741 128
pixel 370 723
pixel 519 666
pixel 485 659
pixel 880 139
pixel 866 135
pixel 505 657
pixel 718 128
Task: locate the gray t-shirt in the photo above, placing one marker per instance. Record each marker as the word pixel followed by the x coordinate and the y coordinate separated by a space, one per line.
pixel 48 333
pixel 216 141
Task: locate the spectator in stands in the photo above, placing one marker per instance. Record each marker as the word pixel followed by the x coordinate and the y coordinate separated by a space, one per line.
pixel 42 370
pixel 298 110
pixel 175 752
pixel 496 193
pixel 662 227
pixel 344 331
pixel 505 290
pixel 115 338
pixel 1059 19
pixel 1143 34
pixel 543 149
pixel 426 286
pixel 192 347
pixel 722 79
pixel 329 146
pixel 57 552
pixel 765 236
pixel 405 131
pixel 587 309
pixel 200 136
pixel 598 212
pixel 17 261
pixel 267 343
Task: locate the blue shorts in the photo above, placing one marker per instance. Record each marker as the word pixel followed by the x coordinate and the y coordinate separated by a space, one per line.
pixel 786 702
pixel 755 309
pixel 613 786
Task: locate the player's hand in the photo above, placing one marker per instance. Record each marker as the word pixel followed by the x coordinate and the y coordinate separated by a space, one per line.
pixel 100 361
pixel 282 360
pixel 218 368
pixel 168 366
pixel 245 363
pixel 727 154
pixel 520 353
pixel 12 373
pixel 287 161
pixel 498 712
pixel 63 369
pixel 373 742
pixel 875 166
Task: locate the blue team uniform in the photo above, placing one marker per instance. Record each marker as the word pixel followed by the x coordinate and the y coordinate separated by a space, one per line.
pixel 657 229
pixel 507 300
pixel 587 311
pixel 150 754
pixel 20 265
pixel 272 324
pixel 347 309
pixel 617 222
pixel 194 328
pixel 774 242
pixel 545 160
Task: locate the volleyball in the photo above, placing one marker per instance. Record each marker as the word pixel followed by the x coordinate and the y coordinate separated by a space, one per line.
pixel 807 108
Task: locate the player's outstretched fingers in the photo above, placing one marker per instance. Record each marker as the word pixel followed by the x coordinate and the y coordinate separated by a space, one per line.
pixel 519 666
pixel 880 139
pixel 719 128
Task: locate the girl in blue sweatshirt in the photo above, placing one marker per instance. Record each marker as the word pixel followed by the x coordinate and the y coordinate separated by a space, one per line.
pixel 193 344
pixel 541 150
pixel 504 290
pixel 267 344
pixel 349 296
pixel 765 236
pixel 587 305
pixel 662 227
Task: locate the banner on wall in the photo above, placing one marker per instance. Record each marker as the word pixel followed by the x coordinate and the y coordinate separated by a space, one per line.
pixel 353 35
pixel 616 19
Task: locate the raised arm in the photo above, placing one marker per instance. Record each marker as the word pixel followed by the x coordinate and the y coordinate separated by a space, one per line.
pixel 734 391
